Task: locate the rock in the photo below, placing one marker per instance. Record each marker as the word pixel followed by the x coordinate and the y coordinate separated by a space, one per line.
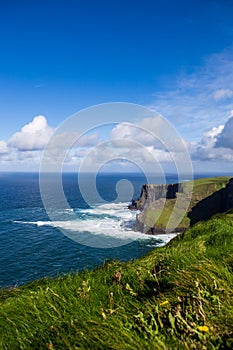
pixel 219 202
pixel 152 192
pixel 202 206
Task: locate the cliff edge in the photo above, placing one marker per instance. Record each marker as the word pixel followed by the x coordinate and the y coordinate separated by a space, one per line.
pixel 161 205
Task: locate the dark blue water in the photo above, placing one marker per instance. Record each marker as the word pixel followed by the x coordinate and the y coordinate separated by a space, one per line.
pixel 31 247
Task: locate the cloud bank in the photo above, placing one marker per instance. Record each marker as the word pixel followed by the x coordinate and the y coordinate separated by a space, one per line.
pixel 133 142
pixel 198 103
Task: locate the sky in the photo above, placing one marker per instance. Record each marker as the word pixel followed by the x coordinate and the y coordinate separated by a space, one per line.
pixel 59 57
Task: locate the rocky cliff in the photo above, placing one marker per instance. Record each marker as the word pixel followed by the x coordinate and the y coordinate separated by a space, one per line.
pixel 219 202
pixel 158 203
pixel 151 192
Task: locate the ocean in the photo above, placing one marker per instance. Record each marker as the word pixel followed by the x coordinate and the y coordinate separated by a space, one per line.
pixel 32 246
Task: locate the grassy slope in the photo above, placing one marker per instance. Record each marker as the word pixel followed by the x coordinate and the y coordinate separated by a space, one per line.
pixel 161 301
pixel 202 188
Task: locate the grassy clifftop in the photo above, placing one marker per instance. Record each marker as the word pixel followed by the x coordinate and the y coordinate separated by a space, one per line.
pixel 176 297
pixel 158 213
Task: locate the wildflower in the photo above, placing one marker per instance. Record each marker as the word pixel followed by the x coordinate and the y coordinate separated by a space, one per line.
pixel 130 290
pixel 164 303
pixel 203 328
pixel 103 315
pixel 117 277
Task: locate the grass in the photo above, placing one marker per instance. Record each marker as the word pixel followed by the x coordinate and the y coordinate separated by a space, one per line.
pixel 158 213
pixel 203 188
pixel 176 297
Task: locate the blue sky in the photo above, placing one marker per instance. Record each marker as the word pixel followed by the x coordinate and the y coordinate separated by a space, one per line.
pixel 58 57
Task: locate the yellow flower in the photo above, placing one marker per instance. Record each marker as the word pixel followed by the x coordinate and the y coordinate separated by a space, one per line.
pixel 164 303
pixel 203 328
pixel 103 315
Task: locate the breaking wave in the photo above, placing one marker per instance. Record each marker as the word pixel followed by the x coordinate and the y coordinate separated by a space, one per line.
pixel 112 220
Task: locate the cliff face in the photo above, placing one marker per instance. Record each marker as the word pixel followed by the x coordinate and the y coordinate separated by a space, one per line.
pixel 219 202
pixel 157 203
pixel 151 193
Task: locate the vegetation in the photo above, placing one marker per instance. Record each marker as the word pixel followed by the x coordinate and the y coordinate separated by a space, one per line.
pixel 177 297
pixel 158 213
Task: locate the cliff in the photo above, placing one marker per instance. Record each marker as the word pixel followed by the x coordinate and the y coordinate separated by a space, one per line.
pixel 151 192
pixel 219 202
pixel 161 206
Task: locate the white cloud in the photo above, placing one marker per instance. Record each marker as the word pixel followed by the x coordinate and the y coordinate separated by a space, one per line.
pixel 210 136
pixel 87 140
pixel 139 144
pixel 213 154
pixel 3 147
pixel 225 138
pixel 31 156
pixel 129 131
pixel 199 105
pixel 63 141
pixel 199 100
pixel 215 145
pixel 222 94
pixel 25 147
pixel 128 144
pixel 108 155
pixel 153 131
pixel 150 140
pixel 33 136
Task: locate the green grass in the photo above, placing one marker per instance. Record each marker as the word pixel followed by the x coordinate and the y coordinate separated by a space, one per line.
pixel 153 216
pixel 203 188
pixel 162 300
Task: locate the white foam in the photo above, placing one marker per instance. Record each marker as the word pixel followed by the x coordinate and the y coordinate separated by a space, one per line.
pixel 111 219
pixel 115 209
